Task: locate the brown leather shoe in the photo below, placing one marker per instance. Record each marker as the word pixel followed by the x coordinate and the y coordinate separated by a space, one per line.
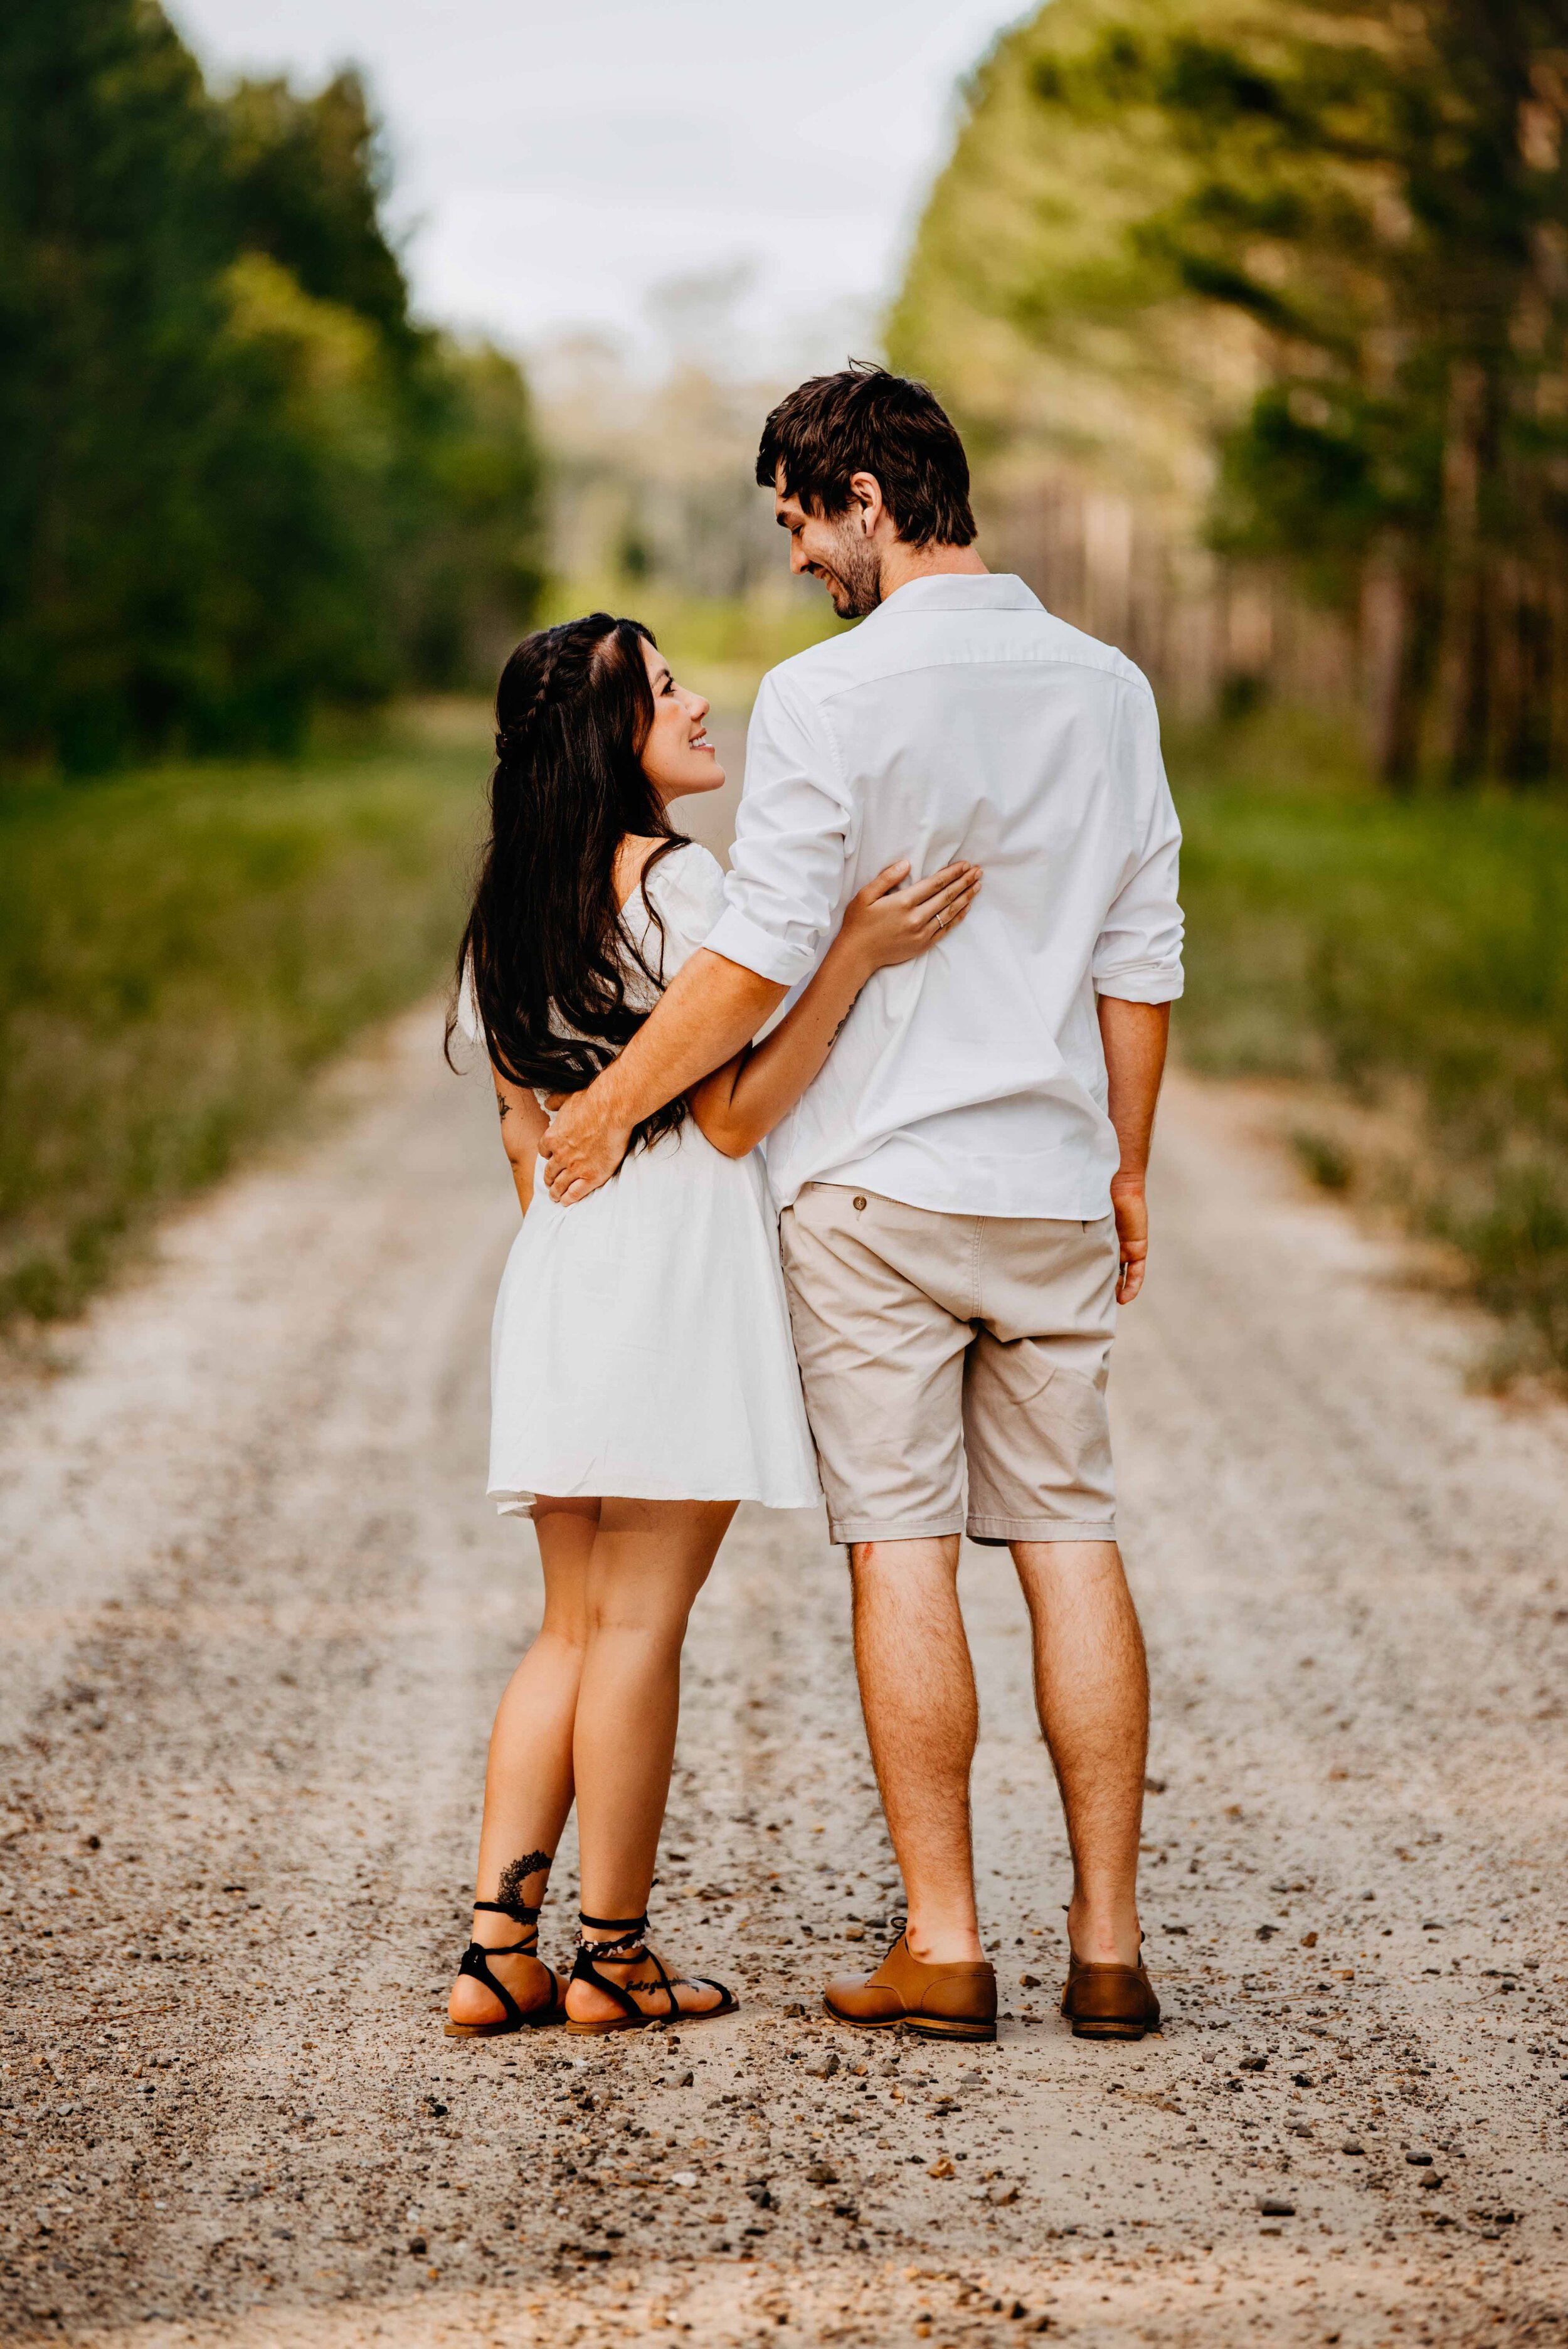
pixel 953 2002
pixel 1109 2002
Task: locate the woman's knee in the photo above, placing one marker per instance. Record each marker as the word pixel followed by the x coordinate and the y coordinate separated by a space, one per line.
pixel 655 1618
pixel 563 1637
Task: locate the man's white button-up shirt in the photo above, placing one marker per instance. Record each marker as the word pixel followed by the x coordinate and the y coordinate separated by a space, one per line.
pixel 960 719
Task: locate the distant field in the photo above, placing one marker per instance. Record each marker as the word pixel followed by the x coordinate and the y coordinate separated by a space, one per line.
pixel 179 949
pixel 1417 949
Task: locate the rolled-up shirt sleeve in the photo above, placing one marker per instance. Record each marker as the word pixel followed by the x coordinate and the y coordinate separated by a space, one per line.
pixel 1138 955
pixel 791 841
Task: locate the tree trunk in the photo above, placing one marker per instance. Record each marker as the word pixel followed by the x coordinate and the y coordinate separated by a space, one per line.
pixel 1466 670
pixel 1396 659
pixel 1525 682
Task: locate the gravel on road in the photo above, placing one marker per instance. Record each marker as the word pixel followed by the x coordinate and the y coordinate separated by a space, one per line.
pixel 255 1617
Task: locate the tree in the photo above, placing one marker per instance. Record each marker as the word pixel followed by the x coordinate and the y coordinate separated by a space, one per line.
pixel 1386 195
pixel 1374 195
pixel 111 250
pixel 308 180
pixel 472 564
pixel 236 478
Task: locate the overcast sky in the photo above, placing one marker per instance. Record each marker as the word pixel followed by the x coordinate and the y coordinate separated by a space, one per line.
pixel 557 157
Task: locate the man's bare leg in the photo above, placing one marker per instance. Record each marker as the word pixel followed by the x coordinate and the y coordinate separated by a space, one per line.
pixel 917 1691
pixel 1092 1687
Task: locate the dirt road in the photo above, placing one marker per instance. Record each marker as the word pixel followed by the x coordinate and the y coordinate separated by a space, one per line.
pixel 255 1618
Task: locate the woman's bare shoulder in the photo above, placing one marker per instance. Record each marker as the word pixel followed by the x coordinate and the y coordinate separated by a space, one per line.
pixel 631 864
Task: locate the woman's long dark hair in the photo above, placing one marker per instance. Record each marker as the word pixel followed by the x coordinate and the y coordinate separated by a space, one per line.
pixel 546 943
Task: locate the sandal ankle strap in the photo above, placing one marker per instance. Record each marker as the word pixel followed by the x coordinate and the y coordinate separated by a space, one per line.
pixel 626 1934
pixel 514 1910
pixel 627 1945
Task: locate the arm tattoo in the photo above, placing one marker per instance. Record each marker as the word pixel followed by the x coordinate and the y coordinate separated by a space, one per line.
pixel 842 1024
pixel 503 1103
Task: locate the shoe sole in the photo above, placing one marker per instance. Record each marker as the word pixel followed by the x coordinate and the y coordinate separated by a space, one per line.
pixel 1113 2030
pixel 605 2029
pixel 918 2026
pixel 500 2030
pixel 677 2022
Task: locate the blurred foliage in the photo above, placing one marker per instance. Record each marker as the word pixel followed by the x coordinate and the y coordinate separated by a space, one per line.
pixel 1031 296
pixel 307 182
pixel 1302 272
pixel 1335 934
pixel 179 948
pixel 235 479
pixel 656 510
pixel 720 645
pixel 654 505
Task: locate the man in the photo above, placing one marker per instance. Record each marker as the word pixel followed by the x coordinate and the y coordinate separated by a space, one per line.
pixel 962 1188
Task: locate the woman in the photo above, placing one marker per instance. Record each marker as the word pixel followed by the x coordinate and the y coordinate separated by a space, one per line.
pixel 643 1378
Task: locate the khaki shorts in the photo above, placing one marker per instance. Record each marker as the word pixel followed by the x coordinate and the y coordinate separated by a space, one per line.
pixel 925 1339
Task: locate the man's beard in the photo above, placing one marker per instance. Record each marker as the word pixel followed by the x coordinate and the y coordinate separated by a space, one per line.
pixel 857 570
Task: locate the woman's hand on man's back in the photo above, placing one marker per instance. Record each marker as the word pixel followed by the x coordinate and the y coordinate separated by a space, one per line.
pixel 893 919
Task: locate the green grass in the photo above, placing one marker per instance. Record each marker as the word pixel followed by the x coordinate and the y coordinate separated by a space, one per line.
pixel 1339 935
pixel 179 949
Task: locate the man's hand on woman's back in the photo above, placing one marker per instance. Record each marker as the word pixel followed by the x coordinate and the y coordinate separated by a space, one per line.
pixel 585 1143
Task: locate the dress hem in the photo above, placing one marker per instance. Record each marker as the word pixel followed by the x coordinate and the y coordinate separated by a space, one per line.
pixel 519 1504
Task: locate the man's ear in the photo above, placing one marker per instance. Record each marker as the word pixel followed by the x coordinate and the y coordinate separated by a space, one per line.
pixel 865 490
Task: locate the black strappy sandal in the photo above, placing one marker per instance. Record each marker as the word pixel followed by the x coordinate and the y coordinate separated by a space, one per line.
pixel 475 1963
pixel 628 1943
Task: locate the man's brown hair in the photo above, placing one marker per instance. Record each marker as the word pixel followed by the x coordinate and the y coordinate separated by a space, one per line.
pixel 867 420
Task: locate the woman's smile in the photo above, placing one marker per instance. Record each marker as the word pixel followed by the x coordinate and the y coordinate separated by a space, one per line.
pixel 670 758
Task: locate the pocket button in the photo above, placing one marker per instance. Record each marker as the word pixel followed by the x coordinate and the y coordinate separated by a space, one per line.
pixel 859 1201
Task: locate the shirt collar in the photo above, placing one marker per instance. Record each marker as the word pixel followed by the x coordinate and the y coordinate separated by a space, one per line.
pixel 963 590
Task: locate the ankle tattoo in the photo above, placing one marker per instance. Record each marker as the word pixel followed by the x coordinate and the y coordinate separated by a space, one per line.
pixel 514 1876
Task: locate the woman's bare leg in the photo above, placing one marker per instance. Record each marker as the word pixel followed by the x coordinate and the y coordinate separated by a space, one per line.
pixel 650 1559
pixel 528 1778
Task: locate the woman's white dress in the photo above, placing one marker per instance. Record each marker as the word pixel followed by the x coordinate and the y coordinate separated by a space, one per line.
pixel 641 1346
